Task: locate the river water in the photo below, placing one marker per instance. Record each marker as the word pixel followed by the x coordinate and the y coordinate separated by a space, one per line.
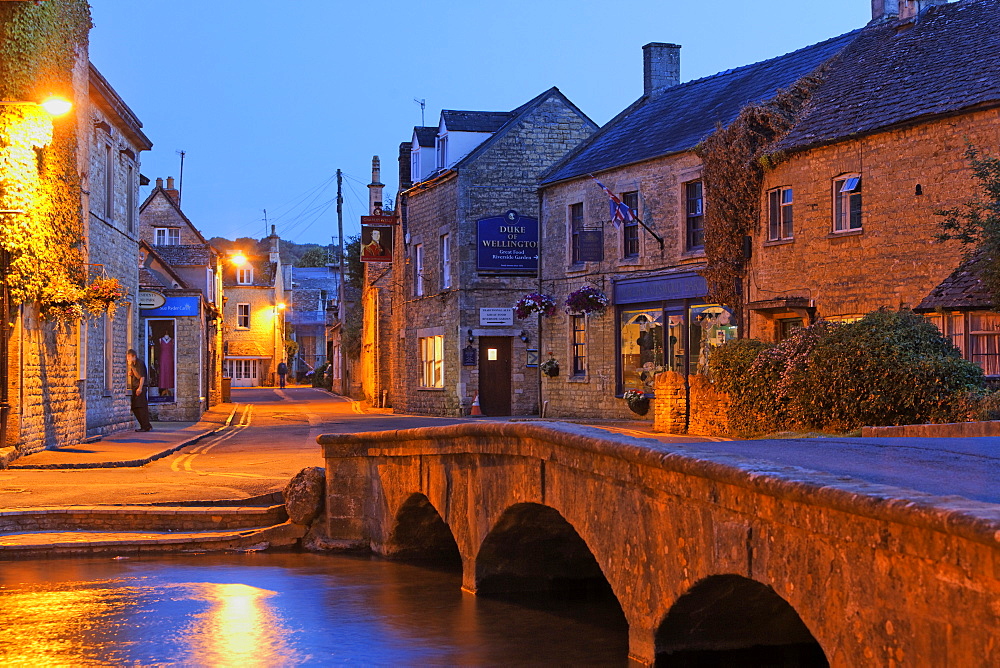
pixel 286 609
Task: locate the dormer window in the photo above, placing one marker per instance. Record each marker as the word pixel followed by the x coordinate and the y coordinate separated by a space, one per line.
pixel 244 276
pixel 442 151
pixel 167 236
pixel 415 165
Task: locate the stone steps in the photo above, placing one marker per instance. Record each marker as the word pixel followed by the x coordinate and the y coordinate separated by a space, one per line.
pixel 130 530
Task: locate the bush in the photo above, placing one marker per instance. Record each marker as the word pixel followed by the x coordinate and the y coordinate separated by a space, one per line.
pixel 888 368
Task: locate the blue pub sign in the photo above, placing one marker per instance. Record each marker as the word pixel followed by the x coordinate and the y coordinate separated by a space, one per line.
pixel 507 244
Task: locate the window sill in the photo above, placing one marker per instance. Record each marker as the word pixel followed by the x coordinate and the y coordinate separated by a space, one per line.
pixel 697 253
pixel 241 329
pixel 632 261
pixel 779 242
pixel 430 389
pixel 576 268
pixel 577 379
pixel 845 233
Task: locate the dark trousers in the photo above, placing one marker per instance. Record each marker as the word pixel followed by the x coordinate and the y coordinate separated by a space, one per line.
pixel 140 408
pixel 281 379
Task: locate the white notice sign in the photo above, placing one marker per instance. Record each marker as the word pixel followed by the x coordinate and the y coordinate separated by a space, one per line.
pixel 496 317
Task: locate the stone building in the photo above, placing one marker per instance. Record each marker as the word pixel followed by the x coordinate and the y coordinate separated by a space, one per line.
pixel 311 311
pixel 375 361
pixel 660 317
pixel 469 251
pixel 254 317
pixel 849 212
pixel 180 337
pixel 115 142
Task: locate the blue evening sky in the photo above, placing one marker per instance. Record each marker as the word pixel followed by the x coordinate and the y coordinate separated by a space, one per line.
pixel 270 97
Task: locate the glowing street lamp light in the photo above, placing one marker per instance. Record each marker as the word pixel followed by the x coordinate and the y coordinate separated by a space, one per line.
pixel 239 259
pixel 54 106
pixel 281 306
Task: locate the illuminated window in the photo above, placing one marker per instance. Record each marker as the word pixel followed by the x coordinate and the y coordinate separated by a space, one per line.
pixel 243 316
pixel 847 203
pixel 694 215
pixel 779 214
pixel 630 228
pixel 579 323
pixel 432 361
pixel 244 275
pixel 168 236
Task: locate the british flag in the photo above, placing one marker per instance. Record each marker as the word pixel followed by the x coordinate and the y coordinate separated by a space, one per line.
pixel 618 210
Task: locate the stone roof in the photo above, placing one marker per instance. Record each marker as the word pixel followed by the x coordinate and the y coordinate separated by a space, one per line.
pixel 149 279
pixel 677 118
pixel 425 135
pixel 186 256
pixel 315 278
pixel 475 121
pixel 263 274
pixel 964 289
pixel 946 62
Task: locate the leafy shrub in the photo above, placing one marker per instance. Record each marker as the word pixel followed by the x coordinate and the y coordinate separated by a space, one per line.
pixel 885 369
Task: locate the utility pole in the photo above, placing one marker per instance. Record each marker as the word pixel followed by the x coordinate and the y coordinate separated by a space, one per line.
pixel 340 275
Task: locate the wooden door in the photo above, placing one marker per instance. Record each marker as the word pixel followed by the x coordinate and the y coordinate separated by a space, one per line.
pixel 494 375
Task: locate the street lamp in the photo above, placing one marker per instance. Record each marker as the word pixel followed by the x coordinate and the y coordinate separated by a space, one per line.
pixel 239 259
pixel 53 105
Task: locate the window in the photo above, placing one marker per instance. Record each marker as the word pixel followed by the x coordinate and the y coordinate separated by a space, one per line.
pixel 108 352
pixel 630 229
pixel 442 151
pixel 168 236
pixel 694 215
pixel 210 284
pixel 642 339
pixel 415 166
pixel 243 316
pixel 847 203
pixel 130 198
pixel 787 326
pixel 976 335
pixel 418 270
pixel 575 225
pixel 109 184
pixel 779 214
pixel 432 361
pixel 579 323
pixel 244 275
pixel 445 261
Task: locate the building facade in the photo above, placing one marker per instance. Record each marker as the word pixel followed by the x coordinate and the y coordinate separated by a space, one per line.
pixel 469 252
pixel 311 312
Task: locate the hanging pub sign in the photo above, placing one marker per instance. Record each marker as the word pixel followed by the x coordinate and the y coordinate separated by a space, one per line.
pixel 590 246
pixel 376 238
pixel 507 244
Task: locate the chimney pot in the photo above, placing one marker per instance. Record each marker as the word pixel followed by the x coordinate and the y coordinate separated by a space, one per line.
pixel 884 10
pixel 159 182
pixel 661 66
pixel 170 183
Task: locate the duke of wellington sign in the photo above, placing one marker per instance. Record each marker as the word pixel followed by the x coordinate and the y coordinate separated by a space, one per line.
pixel 507 244
pixel 377 237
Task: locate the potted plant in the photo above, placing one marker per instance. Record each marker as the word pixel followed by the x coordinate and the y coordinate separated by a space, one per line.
pixel 586 300
pixel 534 303
pixel 550 367
pixel 62 300
pixel 637 401
pixel 101 295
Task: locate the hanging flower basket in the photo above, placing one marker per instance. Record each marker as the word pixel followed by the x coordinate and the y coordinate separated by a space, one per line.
pixel 101 295
pixel 637 401
pixel 534 303
pixel 550 367
pixel 586 300
pixel 62 300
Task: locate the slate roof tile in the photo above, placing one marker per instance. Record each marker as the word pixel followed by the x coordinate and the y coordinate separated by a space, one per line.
pixel 963 289
pixel 425 135
pixel 475 121
pixel 185 256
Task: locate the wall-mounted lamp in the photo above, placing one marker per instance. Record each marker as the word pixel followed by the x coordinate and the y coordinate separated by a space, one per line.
pixel 239 259
pixel 54 106
pixel 281 306
pixel 524 336
pixel 471 339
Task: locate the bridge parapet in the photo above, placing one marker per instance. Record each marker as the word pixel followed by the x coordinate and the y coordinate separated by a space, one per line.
pixel 876 574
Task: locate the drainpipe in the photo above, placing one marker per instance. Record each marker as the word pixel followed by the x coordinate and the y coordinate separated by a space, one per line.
pixel 4 347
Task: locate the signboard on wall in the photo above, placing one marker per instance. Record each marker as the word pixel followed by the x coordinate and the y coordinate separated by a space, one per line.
pixel 376 240
pixel 590 246
pixel 496 317
pixel 507 244
pixel 149 299
pixel 174 306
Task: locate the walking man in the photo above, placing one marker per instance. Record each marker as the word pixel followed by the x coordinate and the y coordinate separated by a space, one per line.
pixel 137 390
pixel 282 372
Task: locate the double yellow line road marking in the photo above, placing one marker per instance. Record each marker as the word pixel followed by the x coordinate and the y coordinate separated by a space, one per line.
pixel 185 461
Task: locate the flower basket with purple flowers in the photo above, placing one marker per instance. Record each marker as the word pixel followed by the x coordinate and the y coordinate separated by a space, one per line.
pixel 586 300
pixel 534 303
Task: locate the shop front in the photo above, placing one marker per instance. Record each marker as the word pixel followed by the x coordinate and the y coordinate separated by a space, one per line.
pixel 174 348
pixel 666 324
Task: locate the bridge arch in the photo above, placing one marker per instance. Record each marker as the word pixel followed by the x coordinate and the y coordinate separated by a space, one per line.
pixel 731 619
pixel 419 533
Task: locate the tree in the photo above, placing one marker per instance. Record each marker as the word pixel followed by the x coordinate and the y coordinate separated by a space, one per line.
pixel 354 274
pixel 315 256
pixel 977 222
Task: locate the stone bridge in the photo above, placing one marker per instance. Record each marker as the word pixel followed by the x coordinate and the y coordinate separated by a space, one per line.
pixel 702 551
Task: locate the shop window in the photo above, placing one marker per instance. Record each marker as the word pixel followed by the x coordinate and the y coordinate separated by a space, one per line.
pixel 642 347
pixel 160 360
pixel 432 361
pixel 694 215
pixel 630 228
pixel 579 323
pixel 779 214
pixel 984 342
pixel 847 203
pixel 575 225
pixel 243 316
pixel 788 325
pixel 711 326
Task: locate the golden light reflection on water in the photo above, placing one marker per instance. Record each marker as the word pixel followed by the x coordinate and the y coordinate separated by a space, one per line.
pixel 241 628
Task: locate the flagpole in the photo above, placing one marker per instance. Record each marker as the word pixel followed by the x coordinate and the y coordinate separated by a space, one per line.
pixel 645 227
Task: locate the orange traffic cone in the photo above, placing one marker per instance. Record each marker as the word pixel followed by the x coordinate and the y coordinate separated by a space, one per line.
pixel 475 406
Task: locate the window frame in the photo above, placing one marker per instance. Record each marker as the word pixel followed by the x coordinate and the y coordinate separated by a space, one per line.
pixel 431 349
pixel 780 214
pixel 130 197
pixel 109 183
pixel 418 270
pixel 848 205
pixel 694 220
pixel 631 248
pixel 244 275
pixel 445 249
pixel 578 344
pixel 574 222
pixel 242 316
pixel 172 236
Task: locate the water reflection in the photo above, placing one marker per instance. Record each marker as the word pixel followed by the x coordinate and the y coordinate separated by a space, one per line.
pixel 282 610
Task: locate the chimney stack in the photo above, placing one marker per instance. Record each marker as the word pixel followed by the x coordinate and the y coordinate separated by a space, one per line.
pixel 159 182
pixel 375 187
pixel 661 67
pixel 275 247
pixel 170 190
pixel 909 10
pixel 884 10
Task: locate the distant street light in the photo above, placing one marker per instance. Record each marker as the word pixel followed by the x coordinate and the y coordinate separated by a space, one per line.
pixel 239 259
pixel 54 106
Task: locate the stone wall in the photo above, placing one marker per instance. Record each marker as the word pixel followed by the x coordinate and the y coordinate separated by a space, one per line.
pixel 660 184
pixel 709 408
pixel 670 408
pixel 691 406
pixel 895 261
